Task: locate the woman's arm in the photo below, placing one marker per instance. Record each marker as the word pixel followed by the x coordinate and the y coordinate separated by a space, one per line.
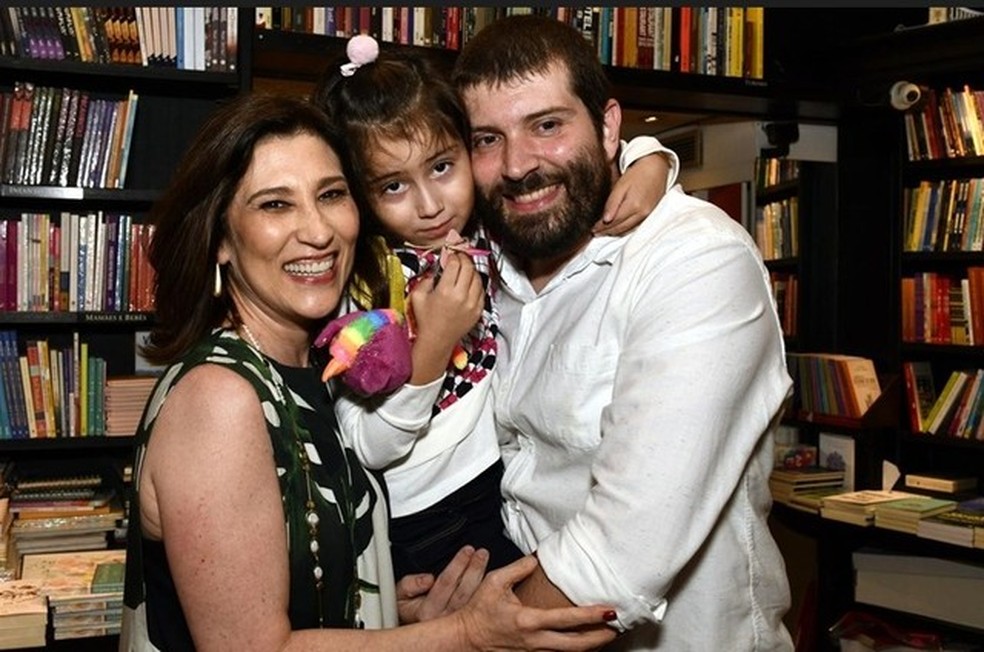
pixel 209 488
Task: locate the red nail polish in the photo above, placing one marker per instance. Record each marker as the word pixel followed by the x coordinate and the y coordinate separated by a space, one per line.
pixel 609 616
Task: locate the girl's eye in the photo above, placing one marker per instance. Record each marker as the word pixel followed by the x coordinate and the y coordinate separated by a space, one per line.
pixel 394 187
pixel 442 167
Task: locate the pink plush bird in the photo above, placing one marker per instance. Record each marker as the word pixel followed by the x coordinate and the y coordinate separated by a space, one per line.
pixel 370 349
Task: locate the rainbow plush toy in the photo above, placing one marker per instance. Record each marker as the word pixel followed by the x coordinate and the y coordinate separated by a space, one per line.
pixel 370 349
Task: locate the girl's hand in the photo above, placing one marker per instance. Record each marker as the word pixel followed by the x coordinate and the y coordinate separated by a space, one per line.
pixel 495 619
pixel 634 195
pixel 443 312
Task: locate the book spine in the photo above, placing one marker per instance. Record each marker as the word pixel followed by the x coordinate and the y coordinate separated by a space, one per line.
pixel 37 391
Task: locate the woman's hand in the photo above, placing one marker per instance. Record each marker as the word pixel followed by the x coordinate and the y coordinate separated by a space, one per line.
pixel 422 597
pixel 495 619
pixel 634 195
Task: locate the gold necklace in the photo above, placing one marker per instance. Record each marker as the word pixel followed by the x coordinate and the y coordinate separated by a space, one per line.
pixel 311 517
pixel 250 337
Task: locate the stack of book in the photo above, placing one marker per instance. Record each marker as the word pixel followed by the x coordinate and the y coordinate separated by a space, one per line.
pixel 125 401
pixel 962 526
pixel 84 590
pixel 61 514
pixel 23 615
pixel 858 507
pixel 904 515
pixel 803 488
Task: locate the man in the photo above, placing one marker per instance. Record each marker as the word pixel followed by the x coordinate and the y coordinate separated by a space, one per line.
pixel 640 378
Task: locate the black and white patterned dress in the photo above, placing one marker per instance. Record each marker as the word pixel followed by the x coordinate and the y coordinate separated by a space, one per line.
pixel 352 537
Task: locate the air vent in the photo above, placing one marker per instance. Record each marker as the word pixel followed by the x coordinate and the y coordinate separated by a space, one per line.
pixel 687 145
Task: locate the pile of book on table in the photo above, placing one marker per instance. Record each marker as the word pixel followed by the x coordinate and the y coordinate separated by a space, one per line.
pixel 804 488
pixel 943 507
pixel 84 590
pixel 23 615
pixel 57 514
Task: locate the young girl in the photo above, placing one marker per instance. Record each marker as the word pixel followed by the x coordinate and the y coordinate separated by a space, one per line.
pixel 435 436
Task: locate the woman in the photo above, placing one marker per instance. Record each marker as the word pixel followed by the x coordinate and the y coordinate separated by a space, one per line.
pixel 252 526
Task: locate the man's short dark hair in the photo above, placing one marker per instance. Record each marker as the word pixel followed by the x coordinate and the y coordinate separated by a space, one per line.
pixel 516 47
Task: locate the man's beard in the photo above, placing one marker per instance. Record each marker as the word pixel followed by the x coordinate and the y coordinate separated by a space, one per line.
pixel 558 230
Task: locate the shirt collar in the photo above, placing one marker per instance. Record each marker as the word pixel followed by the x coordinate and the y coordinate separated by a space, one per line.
pixel 600 250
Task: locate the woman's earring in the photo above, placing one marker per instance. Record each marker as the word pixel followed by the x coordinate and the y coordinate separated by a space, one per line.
pixel 217 289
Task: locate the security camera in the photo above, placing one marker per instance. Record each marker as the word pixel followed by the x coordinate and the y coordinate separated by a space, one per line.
pixel 904 95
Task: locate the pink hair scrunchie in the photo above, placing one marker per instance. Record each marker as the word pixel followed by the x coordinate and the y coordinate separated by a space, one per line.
pixel 361 49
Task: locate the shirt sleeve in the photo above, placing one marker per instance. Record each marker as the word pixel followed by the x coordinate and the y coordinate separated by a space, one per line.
pixel 383 430
pixel 642 146
pixel 700 377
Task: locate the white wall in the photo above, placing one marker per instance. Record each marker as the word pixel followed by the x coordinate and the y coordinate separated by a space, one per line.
pixel 730 149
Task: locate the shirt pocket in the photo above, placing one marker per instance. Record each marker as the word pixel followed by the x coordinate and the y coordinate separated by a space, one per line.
pixel 575 388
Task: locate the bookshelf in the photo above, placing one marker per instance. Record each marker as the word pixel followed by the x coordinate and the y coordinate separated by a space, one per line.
pixel 795 205
pixel 174 92
pixel 876 182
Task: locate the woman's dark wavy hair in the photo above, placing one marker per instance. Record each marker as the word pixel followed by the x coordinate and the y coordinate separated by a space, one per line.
pixel 516 47
pixel 402 95
pixel 190 219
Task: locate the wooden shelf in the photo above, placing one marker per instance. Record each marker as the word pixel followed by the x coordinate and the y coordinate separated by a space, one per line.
pixel 74 194
pixel 302 57
pixel 62 318
pixel 67 443
pixel 883 413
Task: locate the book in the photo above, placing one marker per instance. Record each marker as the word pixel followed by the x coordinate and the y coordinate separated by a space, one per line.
pixel 927 586
pixel 904 515
pixel 942 481
pixel 948 401
pixel 837 452
pixel 920 392
pixel 67 576
pixel 22 604
pixel 858 507
pixel 944 527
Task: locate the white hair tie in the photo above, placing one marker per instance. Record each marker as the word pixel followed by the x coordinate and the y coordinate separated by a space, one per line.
pixel 361 49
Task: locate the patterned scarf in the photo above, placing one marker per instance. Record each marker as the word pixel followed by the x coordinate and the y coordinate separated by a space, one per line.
pixel 479 345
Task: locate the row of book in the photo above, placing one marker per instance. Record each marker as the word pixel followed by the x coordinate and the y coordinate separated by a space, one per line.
pixel 944 215
pixel 48 391
pixel 947 14
pixel 774 171
pixel 187 38
pixel 948 124
pixel 75 262
pixel 785 289
pixel 940 308
pixel 954 411
pixel 65 137
pixel 776 229
pixel 724 41
pixel 833 384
